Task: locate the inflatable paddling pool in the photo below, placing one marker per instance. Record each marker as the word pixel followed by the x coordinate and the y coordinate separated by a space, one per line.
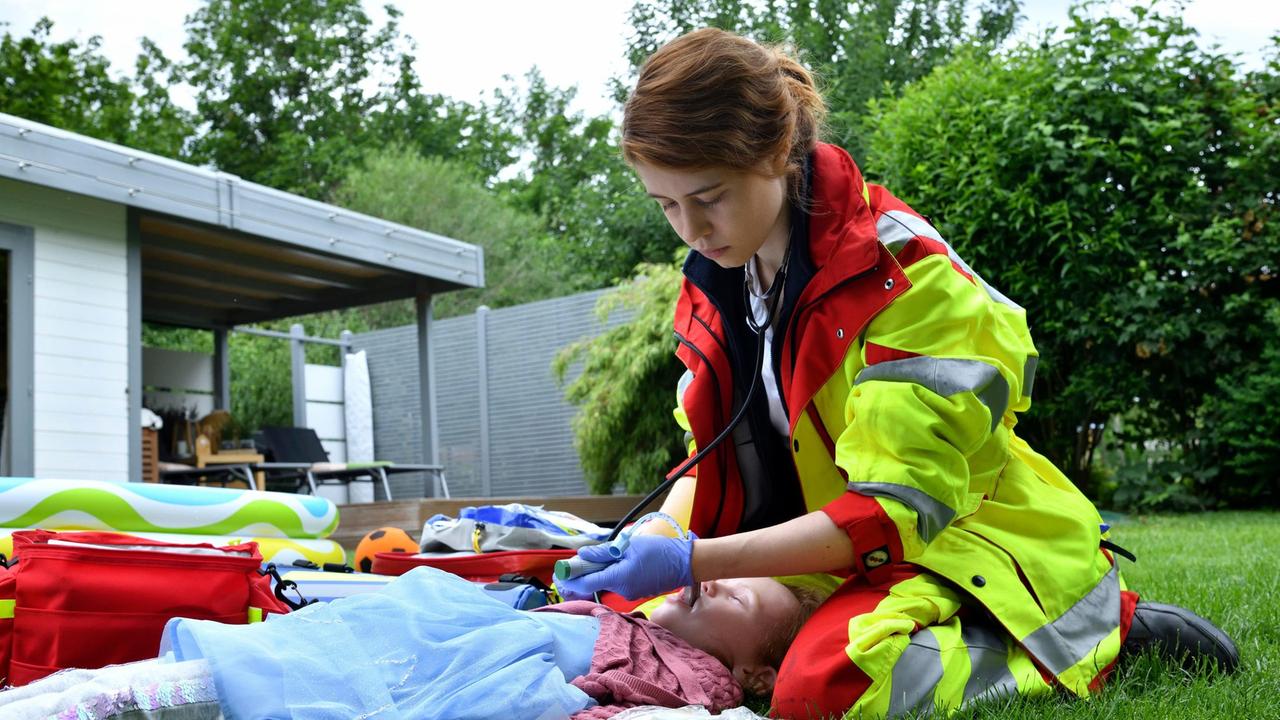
pixel 151 508
pixel 281 551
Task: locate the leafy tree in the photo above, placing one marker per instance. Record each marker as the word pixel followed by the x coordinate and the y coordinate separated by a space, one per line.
pixel 859 50
pixel 624 433
pixel 70 86
pixel 1240 424
pixel 478 136
pixel 590 201
pixel 281 86
pixel 1097 180
pixel 448 198
pixel 293 94
pixel 1238 430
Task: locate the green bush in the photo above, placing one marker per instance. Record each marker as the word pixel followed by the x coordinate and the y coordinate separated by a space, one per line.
pixel 1240 427
pixel 624 433
pixel 1108 182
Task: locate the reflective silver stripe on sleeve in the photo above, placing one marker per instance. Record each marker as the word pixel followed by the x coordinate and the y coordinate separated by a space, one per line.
pixel 946 377
pixel 900 226
pixel 915 675
pixel 1071 638
pixel 932 517
pixel 895 235
pixel 989 675
pixel 1029 374
pixel 685 381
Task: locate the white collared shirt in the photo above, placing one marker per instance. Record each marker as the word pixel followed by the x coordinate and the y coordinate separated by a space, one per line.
pixel 760 309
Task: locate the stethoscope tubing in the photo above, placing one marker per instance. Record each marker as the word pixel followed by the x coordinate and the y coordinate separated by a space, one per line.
pixel 773 299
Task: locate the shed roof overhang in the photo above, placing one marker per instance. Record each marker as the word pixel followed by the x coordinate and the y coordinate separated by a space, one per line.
pixel 217 251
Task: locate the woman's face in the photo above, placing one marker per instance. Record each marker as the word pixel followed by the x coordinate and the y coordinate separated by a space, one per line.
pixel 733 620
pixel 727 215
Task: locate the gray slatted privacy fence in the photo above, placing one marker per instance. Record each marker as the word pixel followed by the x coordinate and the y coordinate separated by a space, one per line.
pixel 519 442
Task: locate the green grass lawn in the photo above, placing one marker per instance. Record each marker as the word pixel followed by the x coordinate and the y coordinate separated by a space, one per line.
pixel 1226 567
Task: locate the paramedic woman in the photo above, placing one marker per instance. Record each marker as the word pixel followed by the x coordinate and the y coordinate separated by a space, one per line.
pixel 880 441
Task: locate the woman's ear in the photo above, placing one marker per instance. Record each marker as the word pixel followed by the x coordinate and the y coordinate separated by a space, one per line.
pixel 756 679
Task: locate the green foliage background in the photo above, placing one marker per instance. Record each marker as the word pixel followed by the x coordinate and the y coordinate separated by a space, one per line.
pixel 857 50
pixel 625 433
pixel 1097 180
pixel 70 86
pixel 1119 181
pixel 449 197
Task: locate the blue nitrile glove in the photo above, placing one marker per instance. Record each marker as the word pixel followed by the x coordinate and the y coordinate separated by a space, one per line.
pixel 651 565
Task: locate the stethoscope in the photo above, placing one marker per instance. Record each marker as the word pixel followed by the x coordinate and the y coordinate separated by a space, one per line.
pixel 773 303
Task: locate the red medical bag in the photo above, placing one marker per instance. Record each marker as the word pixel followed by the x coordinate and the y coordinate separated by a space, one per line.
pixel 89 599
pixel 489 567
pixel 482 567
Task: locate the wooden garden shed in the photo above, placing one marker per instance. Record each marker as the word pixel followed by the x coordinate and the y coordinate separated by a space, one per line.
pixel 97 238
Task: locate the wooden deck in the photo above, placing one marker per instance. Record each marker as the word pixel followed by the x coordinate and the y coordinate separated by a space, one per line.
pixel 355 521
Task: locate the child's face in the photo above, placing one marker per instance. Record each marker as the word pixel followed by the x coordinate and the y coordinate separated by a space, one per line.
pixel 733 620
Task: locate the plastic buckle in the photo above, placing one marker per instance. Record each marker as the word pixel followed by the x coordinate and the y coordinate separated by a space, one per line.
pixel 281 586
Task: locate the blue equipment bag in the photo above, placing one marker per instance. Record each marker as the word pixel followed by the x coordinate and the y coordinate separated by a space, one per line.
pixel 520 592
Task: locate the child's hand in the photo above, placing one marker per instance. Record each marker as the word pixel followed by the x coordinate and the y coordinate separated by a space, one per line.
pixel 650 566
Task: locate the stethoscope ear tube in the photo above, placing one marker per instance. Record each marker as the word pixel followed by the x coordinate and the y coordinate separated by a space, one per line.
pixel 679 472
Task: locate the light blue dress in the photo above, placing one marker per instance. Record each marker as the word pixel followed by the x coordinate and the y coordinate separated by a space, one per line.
pixel 428 645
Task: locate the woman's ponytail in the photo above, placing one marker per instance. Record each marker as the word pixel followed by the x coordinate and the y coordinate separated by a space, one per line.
pixel 809 111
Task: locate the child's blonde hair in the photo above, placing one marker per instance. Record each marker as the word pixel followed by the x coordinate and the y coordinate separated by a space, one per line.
pixel 809 598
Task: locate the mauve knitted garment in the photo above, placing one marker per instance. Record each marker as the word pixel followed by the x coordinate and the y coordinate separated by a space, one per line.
pixel 638 662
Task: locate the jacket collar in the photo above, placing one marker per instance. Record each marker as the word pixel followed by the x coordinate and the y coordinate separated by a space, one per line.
pixel 842 229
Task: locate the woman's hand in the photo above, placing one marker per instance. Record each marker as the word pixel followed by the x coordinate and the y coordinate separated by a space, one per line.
pixel 651 565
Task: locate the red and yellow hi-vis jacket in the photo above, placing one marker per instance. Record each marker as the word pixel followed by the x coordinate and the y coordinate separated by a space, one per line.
pixel 902 372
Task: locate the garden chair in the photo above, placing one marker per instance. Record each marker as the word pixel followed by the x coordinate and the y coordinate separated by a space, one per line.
pixel 210 467
pixel 296 454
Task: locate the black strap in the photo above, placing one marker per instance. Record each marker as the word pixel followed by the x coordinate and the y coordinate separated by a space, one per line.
pixel 328 567
pixel 508 580
pixel 1119 550
pixel 525 579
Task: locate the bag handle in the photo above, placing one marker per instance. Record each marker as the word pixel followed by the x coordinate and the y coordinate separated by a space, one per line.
pixel 281 585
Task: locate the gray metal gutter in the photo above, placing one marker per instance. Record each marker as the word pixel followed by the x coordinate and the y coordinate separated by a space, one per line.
pixel 43 155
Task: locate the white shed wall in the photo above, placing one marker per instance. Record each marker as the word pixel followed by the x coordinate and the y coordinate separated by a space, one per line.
pixel 81 331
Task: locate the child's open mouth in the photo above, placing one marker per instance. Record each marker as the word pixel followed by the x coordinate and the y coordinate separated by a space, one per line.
pixel 682 596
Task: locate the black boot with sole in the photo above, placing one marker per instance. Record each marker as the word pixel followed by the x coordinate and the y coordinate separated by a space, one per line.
pixel 1177 634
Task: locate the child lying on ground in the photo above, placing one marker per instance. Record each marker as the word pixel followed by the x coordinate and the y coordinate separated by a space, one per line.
pixel 431 645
